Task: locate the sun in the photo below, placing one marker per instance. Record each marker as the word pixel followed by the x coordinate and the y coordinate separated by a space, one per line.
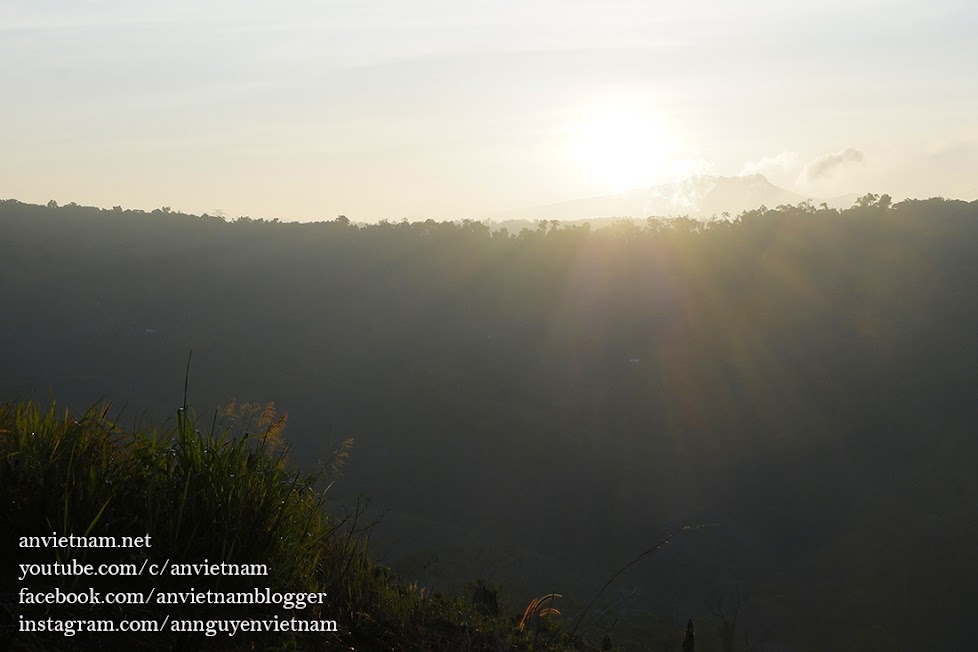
pixel 619 146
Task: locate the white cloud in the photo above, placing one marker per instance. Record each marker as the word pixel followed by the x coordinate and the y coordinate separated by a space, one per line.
pixel 825 165
pixel 771 165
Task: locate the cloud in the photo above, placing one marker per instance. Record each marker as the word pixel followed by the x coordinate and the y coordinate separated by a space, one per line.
pixel 768 165
pixel 826 164
pixel 685 194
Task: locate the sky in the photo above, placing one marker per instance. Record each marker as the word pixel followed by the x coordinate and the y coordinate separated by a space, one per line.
pixel 380 109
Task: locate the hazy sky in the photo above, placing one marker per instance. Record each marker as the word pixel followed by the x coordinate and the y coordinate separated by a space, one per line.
pixel 387 109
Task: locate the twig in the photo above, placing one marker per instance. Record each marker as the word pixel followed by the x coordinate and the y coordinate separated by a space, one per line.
pixel 186 380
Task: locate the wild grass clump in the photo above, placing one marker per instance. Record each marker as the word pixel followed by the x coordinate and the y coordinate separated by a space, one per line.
pixel 224 492
pixel 201 493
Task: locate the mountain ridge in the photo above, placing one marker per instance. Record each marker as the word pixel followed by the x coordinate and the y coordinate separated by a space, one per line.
pixel 699 197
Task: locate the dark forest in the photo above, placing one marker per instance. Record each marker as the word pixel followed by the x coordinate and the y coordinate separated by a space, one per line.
pixel 535 409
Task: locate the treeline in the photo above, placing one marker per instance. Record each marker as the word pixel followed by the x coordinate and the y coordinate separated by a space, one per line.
pixel 803 376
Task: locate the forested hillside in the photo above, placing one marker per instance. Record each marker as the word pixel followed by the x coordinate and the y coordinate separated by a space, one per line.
pixel 540 407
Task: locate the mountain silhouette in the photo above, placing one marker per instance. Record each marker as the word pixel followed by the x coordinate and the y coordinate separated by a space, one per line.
pixel 699 197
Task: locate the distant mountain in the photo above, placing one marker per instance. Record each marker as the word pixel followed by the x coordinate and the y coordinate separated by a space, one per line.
pixel 698 197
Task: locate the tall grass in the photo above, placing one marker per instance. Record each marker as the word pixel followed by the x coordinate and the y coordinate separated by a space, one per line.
pixel 200 494
pixel 225 492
